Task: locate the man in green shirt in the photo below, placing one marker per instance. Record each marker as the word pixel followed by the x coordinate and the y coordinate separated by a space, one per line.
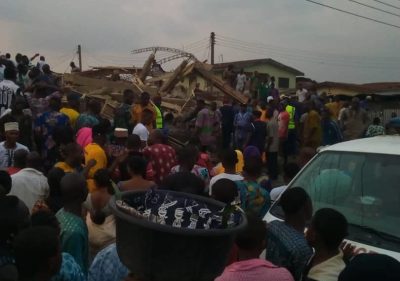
pixel 74 232
pixel 263 91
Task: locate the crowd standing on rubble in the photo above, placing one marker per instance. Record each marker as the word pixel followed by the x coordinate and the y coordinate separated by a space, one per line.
pixel 58 166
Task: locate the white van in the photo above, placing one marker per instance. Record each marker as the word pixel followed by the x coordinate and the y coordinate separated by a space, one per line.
pixel 360 179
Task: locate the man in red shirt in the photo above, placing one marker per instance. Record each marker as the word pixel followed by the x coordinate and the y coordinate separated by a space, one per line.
pixel 161 156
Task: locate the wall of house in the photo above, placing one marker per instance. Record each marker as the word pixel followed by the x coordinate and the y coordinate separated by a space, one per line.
pixel 262 69
pixel 271 71
pixel 191 81
pixel 274 71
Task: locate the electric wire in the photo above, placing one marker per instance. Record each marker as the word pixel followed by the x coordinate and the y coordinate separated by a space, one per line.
pixel 354 14
pixel 321 62
pixel 303 52
pixel 375 8
pixel 387 4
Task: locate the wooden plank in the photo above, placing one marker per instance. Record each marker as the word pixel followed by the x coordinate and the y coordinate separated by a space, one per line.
pixel 222 85
pixel 138 81
pixel 123 68
pixel 205 66
pixel 108 110
pixel 188 70
pixel 101 91
pixel 117 97
pixel 174 79
pixel 163 77
pixel 114 86
pixel 147 67
pixel 176 101
pixel 170 106
pixel 190 94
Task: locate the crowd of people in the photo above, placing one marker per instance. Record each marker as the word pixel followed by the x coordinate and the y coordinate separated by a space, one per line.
pixel 60 165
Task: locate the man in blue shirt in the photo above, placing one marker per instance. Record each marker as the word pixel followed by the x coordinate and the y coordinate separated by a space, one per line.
pixel 286 244
pixel 331 133
pixel 107 266
pixel 242 124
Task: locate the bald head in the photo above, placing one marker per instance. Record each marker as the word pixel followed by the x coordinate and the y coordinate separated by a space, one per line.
pixel 34 161
pixel 20 156
pixel 73 188
pixel 157 100
pixel 144 99
pixel 156 137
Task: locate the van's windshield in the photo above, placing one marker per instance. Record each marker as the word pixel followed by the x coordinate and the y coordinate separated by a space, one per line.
pixel 364 187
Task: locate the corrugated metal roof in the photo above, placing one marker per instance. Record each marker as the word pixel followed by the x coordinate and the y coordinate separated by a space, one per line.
pixel 379 89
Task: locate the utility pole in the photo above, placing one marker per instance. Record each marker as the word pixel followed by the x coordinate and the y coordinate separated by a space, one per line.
pixel 80 57
pixel 212 42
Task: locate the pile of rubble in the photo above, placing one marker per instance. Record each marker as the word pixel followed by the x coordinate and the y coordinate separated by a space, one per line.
pixel 178 89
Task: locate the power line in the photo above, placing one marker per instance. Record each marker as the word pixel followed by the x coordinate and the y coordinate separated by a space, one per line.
pixel 123 57
pixel 263 50
pixel 67 54
pixel 293 54
pixel 58 64
pixel 305 52
pixel 110 59
pixel 308 60
pixel 205 54
pixel 387 4
pixel 73 57
pixel 354 14
pixel 196 43
pixel 272 50
pixel 197 47
pixel 378 9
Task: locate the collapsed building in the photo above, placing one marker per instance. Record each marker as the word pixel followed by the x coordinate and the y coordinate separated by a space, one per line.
pixel 178 89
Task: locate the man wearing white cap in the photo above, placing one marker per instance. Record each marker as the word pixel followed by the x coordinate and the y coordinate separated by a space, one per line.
pixel 118 146
pixel 10 145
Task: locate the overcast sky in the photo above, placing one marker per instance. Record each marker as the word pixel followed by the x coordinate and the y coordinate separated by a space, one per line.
pixel 322 43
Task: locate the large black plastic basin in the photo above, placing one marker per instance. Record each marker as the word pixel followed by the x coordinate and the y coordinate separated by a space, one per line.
pixel 157 252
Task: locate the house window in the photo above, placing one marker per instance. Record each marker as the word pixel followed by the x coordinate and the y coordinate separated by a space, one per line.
pixel 283 83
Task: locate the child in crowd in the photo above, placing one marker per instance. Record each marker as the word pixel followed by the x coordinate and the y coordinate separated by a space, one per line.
pixel 99 220
pixel 251 242
pixel 229 161
pixel 326 233
pixel 253 197
pixel 187 157
pixel 225 190
pixel 375 129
